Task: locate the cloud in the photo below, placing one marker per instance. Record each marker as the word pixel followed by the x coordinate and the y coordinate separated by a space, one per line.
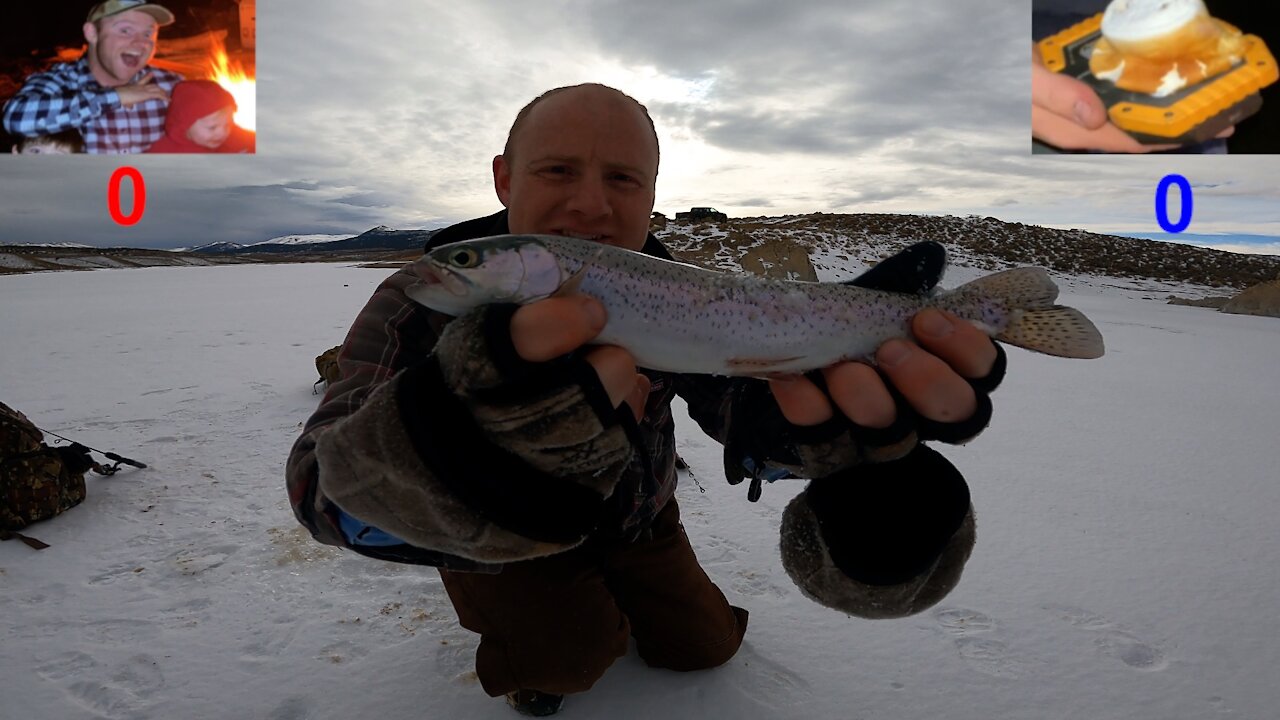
pixel 388 113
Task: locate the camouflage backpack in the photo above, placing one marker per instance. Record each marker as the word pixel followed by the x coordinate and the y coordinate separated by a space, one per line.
pixel 36 481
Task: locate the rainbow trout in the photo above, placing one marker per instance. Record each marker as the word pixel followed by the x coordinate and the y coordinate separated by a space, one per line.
pixel 682 318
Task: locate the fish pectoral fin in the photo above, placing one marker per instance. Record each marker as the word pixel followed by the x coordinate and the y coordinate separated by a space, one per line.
pixel 570 286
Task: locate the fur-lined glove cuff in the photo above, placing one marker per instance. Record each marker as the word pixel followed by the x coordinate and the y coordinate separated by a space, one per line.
pixel 882 540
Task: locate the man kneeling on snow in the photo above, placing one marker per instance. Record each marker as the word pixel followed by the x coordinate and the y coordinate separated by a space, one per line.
pixel 539 474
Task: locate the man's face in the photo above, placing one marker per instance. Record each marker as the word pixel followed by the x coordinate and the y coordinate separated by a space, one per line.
pixel 125 43
pixel 584 164
pixel 45 149
pixel 211 130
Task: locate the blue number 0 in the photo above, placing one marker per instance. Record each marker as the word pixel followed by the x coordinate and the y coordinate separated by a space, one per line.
pixel 1162 203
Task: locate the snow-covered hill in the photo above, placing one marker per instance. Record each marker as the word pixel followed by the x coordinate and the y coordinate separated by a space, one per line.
pixel 300 240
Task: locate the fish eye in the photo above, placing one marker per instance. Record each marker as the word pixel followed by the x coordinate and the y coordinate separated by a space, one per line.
pixel 464 258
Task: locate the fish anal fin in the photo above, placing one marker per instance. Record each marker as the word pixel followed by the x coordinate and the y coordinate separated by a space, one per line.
pixel 762 367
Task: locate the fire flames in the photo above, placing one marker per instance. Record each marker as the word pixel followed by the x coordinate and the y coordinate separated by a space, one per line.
pixel 232 77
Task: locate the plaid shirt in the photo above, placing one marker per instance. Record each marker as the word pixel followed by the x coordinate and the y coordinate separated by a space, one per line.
pixel 67 96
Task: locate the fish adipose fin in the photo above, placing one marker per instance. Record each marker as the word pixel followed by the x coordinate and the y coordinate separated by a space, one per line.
pixel 1035 322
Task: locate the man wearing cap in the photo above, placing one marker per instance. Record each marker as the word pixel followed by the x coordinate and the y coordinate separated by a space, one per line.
pixel 110 94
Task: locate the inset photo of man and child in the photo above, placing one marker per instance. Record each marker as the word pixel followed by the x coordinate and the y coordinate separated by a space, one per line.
pixel 128 76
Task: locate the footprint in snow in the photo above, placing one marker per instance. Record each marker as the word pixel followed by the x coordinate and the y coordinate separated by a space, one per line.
pixel 770 682
pixel 716 550
pixel 456 657
pixel 116 691
pixel 1113 640
pixel 294 708
pixel 269 643
pixel 978 640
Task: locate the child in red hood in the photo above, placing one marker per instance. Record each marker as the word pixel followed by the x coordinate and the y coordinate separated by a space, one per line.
pixel 199 121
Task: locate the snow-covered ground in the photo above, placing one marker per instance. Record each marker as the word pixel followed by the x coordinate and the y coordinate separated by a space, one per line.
pixel 1125 565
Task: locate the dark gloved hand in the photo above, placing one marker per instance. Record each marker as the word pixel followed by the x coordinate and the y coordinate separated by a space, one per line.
pixel 880 540
pixel 554 416
pixel 766 447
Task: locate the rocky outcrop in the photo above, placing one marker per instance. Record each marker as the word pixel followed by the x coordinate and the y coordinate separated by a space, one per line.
pixel 1209 302
pixel 1262 299
pixel 779 258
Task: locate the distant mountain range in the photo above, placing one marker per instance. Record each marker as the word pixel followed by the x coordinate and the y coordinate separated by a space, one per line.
pixel 829 241
pixel 379 238
pixel 1202 239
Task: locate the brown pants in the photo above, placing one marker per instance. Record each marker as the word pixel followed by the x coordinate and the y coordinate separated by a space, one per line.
pixel 556 624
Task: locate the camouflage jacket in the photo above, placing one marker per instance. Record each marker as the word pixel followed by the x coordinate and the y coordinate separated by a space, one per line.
pixel 389 339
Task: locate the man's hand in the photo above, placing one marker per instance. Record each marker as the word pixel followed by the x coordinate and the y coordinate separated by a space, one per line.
pixel 550 328
pixel 141 91
pixel 931 378
pixel 1067 114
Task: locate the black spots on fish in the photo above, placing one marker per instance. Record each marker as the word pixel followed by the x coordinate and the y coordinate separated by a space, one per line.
pixel 1058 330
pixel 1025 296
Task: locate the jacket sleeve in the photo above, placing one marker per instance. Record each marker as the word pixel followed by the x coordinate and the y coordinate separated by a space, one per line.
pixel 388 443
pixel 51 102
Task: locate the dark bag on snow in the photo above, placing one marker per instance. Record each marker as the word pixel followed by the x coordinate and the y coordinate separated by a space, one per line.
pixel 37 482
pixel 327 366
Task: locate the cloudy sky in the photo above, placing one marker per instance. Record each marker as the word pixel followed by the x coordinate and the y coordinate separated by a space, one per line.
pixel 387 112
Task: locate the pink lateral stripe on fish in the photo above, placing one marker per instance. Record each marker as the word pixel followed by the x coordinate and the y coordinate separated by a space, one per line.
pixel 682 318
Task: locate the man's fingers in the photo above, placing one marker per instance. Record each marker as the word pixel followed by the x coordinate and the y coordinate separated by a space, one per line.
pixel 927 382
pixel 550 328
pixel 861 394
pixel 968 350
pixel 1067 135
pixel 1067 98
pixel 146 78
pixel 639 396
pixel 617 371
pixel 802 402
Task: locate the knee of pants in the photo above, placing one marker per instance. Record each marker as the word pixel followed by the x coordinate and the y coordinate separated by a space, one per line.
pixel 703 657
pixel 570 662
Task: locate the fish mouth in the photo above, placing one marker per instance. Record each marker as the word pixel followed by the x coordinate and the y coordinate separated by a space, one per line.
pixel 434 275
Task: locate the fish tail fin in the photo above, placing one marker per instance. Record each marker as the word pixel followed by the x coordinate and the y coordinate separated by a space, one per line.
pixel 1034 322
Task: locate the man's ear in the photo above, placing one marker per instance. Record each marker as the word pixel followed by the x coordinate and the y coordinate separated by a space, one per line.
pixel 90 33
pixel 502 179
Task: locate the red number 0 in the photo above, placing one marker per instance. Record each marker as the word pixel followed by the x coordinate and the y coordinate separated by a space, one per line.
pixel 139 196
